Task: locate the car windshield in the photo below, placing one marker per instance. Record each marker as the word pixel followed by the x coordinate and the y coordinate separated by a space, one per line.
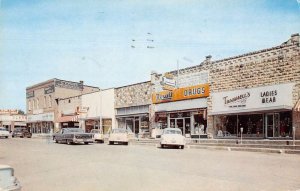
pixel 96 131
pixel 172 131
pixel 2 129
pixel 74 130
pixel 119 131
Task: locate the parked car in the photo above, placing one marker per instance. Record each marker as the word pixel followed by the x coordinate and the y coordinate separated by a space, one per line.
pixel 172 137
pixel 72 135
pixel 8 181
pixel 119 136
pixel 3 132
pixel 21 132
pixel 97 135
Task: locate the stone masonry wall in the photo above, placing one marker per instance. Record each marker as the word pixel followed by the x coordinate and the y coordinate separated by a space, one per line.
pixel 133 95
pixel 276 65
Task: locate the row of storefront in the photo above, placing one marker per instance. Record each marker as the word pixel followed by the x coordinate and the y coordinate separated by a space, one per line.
pixel 222 100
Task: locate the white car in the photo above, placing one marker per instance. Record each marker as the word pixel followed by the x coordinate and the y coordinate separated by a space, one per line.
pixel 97 135
pixel 4 132
pixel 172 137
pixel 119 136
pixel 7 180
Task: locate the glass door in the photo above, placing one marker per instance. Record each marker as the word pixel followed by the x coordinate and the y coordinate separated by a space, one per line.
pixel 269 125
pixel 180 124
pixel 272 125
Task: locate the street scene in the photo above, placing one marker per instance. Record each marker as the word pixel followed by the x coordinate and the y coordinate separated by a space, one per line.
pixel 43 165
pixel 149 95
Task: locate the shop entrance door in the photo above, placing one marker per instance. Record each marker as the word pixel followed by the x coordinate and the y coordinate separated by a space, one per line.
pixel 179 123
pixel 272 125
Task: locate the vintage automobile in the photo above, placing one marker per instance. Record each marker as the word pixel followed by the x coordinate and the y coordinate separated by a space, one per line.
pixel 119 135
pixel 72 135
pixel 3 132
pixel 97 135
pixel 21 132
pixel 7 180
pixel 172 137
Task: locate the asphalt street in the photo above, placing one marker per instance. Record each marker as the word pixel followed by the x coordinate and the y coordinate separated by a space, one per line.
pixel 43 165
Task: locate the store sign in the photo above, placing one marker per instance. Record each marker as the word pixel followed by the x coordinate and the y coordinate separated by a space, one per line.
pixel 254 98
pixel 68 84
pixel 185 93
pixel 237 100
pixel 49 89
pixel 168 82
pixel 8 111
pixel 40 117
pixel 82 110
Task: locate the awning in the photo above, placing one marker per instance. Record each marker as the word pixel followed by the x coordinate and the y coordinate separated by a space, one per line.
pixel 68 118
pixel 20 123
pixel 132 115
pixel 6 123
pixel 182 105
pixel 93 118
pixel 255 110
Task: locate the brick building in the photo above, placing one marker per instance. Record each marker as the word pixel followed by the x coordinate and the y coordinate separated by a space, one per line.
pixel 42 102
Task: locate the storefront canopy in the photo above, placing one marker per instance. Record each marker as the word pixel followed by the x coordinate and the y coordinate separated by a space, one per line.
pixel 68 118
pixel 255 110
pixel 182 105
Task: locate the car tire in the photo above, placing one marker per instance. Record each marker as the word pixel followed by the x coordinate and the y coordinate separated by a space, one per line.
pixel 182 146
pixel 162 146
pixel 110 142
pixel 86 143
pixel 69 142
pixel 6 137
pixel 125 143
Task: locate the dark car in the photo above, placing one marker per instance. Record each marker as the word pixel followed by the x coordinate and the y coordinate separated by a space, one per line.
pixel 21 132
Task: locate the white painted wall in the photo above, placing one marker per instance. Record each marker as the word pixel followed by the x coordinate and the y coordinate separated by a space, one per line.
pixel 100 103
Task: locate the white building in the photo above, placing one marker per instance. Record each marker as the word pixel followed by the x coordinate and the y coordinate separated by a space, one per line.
pixel 97 109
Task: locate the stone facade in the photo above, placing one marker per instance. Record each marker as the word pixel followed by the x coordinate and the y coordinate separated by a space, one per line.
pixel 133 95
pixel 276 65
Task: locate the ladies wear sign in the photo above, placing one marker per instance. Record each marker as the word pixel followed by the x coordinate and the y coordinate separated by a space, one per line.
pixel 253 99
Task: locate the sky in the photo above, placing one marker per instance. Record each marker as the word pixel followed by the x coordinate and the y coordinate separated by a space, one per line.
pixel 115 43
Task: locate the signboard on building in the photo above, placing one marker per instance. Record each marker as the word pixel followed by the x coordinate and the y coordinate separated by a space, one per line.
pixel 82 110
pixel 68 84
pixel 40 117
pixel 49 89
pixel 29 94
pixel 168 82
pixel 8 111
pixel 185 93
pixel 260 98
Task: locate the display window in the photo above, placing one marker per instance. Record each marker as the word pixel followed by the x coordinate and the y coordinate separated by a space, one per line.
pixel 264 125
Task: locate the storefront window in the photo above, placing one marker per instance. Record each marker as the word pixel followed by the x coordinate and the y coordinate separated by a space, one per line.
pixel 200 124
pixel 254 125
pixel 106 125
pixel 162 120
pixel 145 123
